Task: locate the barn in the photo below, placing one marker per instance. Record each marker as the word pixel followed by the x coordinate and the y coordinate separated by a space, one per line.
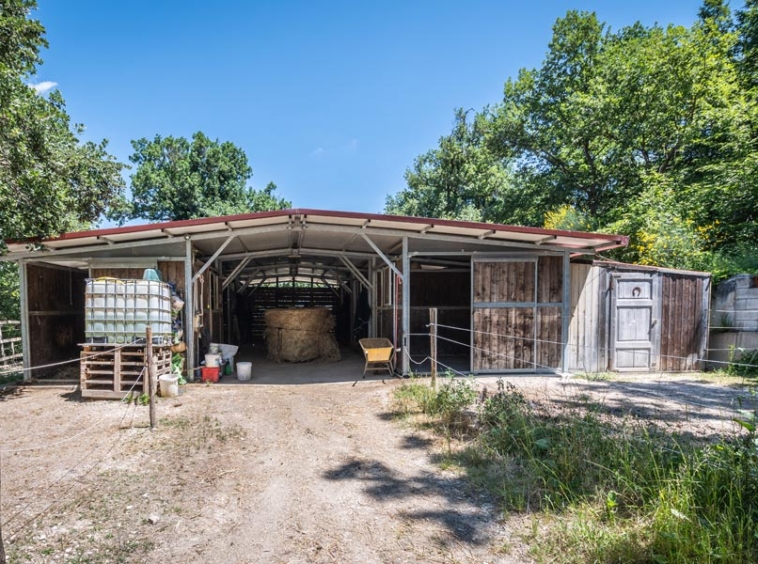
pixel 507 297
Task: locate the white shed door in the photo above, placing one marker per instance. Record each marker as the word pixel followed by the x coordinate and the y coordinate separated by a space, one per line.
pixel 635 325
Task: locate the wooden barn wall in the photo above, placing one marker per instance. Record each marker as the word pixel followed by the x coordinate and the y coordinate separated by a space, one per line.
pixel 504 282
pixel 420 343
pixel 504 339
pixel 684 315
pixel 549 347
pixel 171 271
pixel 440 288
pixel 550 280
pixel 588 338
pixel 56 315
pixel 518 338
pixel 684 321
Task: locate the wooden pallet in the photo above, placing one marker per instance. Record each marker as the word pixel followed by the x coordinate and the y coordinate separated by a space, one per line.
pixel 109 371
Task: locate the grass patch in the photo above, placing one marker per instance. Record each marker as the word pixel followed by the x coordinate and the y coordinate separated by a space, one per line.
pixel 606 491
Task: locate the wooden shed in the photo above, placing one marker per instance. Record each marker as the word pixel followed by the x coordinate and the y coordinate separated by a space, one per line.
pixel 632 318
pixel 503 293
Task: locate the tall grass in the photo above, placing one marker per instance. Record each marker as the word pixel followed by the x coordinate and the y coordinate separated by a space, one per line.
pixel 610 491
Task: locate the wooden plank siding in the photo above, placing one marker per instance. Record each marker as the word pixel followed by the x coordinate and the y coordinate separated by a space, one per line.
pixel 509 336
pixel 683 321
pixel 588 325
pixel 171 271
pixel 549 347
pixel 56 316
pixel 550 280
pixel 679 333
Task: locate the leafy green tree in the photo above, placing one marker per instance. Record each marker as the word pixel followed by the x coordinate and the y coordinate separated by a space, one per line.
pixel 9 291
pixel 646 131
pixel 177 179
pixel 460 179
pixel 49 181
pixel 747 46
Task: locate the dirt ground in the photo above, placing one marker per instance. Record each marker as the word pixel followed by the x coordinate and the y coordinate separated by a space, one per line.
pixel 276 473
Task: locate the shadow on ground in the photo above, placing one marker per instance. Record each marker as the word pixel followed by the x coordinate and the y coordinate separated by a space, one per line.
pixel 669 401
pixel 459 515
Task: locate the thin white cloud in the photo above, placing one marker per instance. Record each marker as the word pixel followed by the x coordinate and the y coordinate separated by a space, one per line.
pixel 318 152
pixel 43 87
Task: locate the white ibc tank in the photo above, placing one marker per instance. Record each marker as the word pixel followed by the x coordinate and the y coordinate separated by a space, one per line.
pixel 119 311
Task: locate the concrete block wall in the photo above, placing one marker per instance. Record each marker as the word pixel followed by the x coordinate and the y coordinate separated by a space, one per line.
pixel 735 304
pixel 734 319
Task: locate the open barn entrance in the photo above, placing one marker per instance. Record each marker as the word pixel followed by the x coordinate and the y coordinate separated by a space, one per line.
pixel 249 308
pixel 443 284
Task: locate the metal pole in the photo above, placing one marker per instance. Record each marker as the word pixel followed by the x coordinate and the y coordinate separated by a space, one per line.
pixel 189 311
pixel 24 298
pixel 566 313
pixel 433 344
pixel 406 322
pixel 3 559
pixel 151 378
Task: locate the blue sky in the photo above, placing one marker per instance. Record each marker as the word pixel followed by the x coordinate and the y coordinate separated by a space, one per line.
pixel 330 100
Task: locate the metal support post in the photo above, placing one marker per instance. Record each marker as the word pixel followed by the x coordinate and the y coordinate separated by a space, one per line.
pixel 406 325
pixel 433 344
pixel 24 296
pixel 152 379
pixel 566 312
pixel 189 311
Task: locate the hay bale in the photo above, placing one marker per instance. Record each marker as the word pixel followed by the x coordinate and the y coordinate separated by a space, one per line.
pixel 300 335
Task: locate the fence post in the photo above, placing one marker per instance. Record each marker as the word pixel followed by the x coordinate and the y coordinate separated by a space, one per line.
pixel 3 559
pixel 433 343
pixel 151 379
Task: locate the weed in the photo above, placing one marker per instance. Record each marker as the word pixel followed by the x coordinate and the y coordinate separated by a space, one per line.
pixel 447 404
pixel 614 491
pixel 742 362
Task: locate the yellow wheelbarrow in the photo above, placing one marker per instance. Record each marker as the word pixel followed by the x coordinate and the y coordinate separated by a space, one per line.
pixel 379 355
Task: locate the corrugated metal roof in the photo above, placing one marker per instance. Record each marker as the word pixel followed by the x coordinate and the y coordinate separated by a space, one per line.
pixel 317 230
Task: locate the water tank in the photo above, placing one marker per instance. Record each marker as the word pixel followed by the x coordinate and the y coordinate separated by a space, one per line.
pixel 119 311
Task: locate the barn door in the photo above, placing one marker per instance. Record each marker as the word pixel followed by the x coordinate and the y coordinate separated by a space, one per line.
pixel 517 309
pixel 635 322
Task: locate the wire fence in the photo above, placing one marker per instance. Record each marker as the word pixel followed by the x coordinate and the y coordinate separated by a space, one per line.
pixel 89 456
pixel 520 362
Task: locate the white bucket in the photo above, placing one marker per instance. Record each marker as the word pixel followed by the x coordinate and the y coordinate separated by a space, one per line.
pixel 211 360
pixel 169 386
pixel 244 371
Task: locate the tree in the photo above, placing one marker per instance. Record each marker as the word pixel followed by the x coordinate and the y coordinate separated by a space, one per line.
pixel 646 131
pixel 49 181
pixel 180 179
pixel 460 179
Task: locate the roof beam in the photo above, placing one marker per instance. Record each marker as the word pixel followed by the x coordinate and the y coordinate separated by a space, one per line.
pixel 382 255
pixel 357 273
pixel 448 238
pixel 229 279
pixel 214 256
pixel 43 254
pixel 239 232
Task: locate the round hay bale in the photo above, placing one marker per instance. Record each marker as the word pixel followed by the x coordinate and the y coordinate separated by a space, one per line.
pixel 300 335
